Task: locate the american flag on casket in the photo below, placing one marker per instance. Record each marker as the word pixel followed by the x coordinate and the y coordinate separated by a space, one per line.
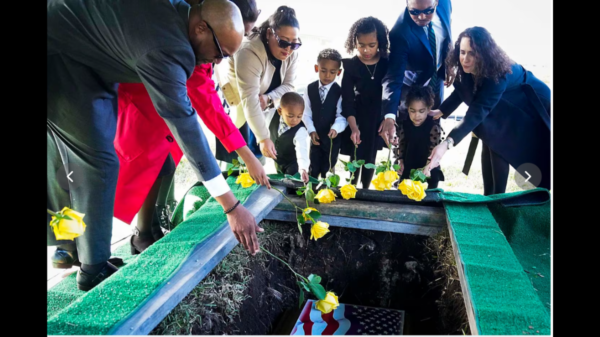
pixel 349 320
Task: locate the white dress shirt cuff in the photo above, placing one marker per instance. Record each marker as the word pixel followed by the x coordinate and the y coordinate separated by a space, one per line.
pixel 339 127
pixel 392 116
pixel 217 186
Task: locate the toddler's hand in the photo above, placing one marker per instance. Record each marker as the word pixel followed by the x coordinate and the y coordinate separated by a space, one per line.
pixel 304 176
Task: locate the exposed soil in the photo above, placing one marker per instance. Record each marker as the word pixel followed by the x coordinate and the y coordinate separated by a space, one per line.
pixel 369 268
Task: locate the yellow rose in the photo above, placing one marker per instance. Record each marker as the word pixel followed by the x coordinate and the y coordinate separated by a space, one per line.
pixel 245 180
pixel 405 186
pixel 390 177
pixel 325 196
pixel 306 211
pixel 329 303
pixel 348 191
pixel 65 229
pixel 319 230
pixel 379 182
pixel 418 191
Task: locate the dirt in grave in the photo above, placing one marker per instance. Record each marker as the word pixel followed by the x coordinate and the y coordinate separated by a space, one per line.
pixel 368 268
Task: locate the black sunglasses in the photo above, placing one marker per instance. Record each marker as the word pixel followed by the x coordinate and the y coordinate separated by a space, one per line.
pixel 417 12
pixel 284 44
pixel 222 56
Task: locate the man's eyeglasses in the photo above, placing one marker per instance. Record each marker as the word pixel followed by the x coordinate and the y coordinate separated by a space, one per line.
pixel 222 56
pixel 426 11
pixel 284 44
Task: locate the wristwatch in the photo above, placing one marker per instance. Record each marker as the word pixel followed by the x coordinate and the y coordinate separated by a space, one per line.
pixel 450 142
pixel 270 103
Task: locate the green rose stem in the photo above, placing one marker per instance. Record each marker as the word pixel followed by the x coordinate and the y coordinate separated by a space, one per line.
pixel 305 192
pixel 295 207
pixel 330 150
pixel 352 173
pixel 58 215
pixel 297 275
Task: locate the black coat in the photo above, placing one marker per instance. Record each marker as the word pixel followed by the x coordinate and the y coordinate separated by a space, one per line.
pixel 410 50
pixel 361 98
pixel 511 117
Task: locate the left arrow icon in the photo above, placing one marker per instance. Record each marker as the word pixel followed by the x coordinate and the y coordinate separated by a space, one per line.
pixel 69 176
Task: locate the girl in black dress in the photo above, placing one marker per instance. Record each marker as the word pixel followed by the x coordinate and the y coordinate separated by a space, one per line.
pixel 418 135
pixel 361 92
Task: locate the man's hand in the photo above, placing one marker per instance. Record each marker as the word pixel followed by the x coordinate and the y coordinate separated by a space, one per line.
pixel 332 134
pixel 355 136
pixel 304 176
pixel 242 223
pixel 436 114
pixel 263 101
pixel 267 148
pixel 387 130
pixel 314 137
pixel 244 227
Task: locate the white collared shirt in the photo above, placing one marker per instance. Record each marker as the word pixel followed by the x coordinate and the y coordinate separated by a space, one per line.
pixel 301 142
pixel 340 123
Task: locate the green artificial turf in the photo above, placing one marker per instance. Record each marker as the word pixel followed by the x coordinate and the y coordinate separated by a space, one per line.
pixel 74 312
pixel 504 245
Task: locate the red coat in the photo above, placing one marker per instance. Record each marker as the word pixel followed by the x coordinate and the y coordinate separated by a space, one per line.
pixel 143 139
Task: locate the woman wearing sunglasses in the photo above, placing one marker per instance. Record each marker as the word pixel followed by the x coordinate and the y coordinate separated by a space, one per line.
pixel 263 69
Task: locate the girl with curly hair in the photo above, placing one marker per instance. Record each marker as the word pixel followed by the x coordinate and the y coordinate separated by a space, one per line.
pixel 509 110
pixel 361 92
pixel 418 135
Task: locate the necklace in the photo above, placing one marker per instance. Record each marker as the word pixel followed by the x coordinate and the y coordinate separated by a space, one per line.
pixel 374 70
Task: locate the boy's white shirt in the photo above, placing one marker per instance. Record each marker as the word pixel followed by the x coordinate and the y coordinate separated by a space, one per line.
pixel 301 142
pixel 340 123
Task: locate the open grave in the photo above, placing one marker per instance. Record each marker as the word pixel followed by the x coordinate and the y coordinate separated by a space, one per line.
pixel 454 263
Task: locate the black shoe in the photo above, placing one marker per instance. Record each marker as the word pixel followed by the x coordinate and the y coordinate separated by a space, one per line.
pixel 64 259
pixel 140 241
pixel 86 281
pixel 159 220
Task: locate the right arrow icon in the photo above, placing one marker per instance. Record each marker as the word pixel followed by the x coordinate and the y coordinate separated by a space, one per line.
pixel 528 176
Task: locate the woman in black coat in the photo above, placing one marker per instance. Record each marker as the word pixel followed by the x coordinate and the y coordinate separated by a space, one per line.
pixel 509 110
